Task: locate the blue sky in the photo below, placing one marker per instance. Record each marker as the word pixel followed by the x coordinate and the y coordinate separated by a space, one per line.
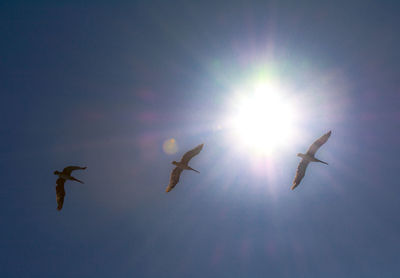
pixel 104 85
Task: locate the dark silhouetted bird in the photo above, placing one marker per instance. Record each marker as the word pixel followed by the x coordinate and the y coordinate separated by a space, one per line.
pixel 62 177
pixel 309 157
pixel 182 165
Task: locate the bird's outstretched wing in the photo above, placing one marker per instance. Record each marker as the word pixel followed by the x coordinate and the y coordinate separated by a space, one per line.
pixel 318 143
pixel 190 154
pixel 174 178
pixel 60 193
pixel 300 172
pixel 68 170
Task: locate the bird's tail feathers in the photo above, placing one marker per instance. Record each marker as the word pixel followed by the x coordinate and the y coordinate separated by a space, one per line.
pixel 322 162
pixel 75 179
pixel 194 170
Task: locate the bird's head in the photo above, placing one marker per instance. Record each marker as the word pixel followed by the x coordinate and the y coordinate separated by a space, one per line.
pixel 174 162
pixel 56 172
pixel 300 155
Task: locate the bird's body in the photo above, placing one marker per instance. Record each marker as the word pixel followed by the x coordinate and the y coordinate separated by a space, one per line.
pixel 309 157
pixel 62 177
pixel 68 177
pixel 182 165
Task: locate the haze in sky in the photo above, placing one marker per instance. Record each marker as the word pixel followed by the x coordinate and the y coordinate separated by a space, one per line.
pixel 125 88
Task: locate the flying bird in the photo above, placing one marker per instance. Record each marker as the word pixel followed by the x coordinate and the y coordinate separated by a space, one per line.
pixel 62 177
pixel 182 165
pixel 309 157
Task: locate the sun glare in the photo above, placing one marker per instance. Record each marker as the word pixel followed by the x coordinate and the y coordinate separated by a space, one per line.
pixel 262 118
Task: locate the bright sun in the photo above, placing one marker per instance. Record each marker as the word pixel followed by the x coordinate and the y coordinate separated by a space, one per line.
pixel 262 118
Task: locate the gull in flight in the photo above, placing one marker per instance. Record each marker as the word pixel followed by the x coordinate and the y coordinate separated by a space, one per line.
pixel 182 165
pixel 62 177
pixel 309 157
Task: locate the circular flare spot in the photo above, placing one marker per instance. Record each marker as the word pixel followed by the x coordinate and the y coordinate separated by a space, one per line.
pixel 170 146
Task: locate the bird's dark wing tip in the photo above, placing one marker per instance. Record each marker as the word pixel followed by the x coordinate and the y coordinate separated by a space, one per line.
pixel 199 147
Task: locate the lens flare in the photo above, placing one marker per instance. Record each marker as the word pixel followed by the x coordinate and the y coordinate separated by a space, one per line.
pixel 170 146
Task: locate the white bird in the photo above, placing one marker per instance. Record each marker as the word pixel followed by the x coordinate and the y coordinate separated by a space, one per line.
pixel 309 157
pixel 182 165
pixel 62 177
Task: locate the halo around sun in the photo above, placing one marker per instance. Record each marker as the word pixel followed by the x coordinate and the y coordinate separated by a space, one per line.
pixel 262 118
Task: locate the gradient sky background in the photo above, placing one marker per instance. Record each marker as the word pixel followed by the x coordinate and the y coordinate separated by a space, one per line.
pixel 105 85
